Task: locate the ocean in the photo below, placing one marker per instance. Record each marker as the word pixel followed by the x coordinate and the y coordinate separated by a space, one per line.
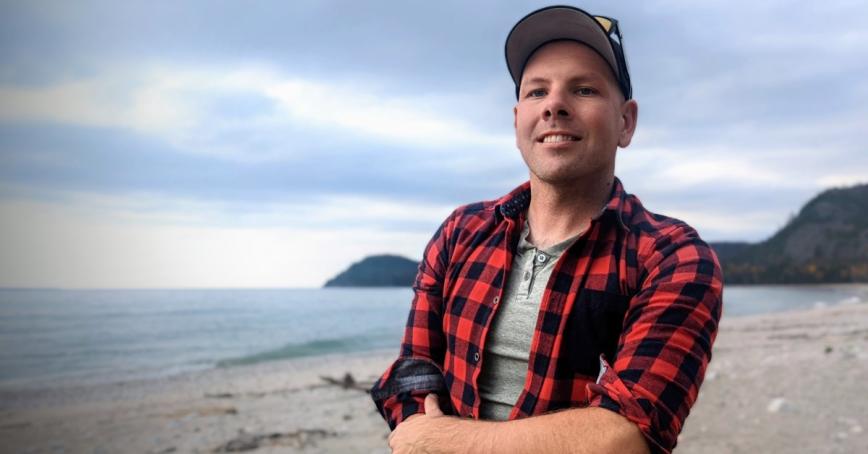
pixel 53 337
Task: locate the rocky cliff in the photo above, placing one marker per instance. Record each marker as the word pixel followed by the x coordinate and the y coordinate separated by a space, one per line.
pixel 826 242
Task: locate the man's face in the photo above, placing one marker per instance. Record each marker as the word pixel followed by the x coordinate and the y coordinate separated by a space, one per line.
pixel 571 117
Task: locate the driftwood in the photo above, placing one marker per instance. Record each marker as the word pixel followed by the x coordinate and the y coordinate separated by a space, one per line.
pixel 251 393
pixel 220 395
pixel 301 438
pixel 348 382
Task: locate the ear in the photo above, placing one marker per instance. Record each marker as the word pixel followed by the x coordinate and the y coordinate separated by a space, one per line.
pixel 515 117
pixel 629 116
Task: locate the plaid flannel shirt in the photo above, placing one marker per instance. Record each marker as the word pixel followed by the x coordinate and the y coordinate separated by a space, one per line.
pixel 626 323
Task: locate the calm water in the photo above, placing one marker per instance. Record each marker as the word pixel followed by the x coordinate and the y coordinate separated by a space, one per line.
pixel 52 336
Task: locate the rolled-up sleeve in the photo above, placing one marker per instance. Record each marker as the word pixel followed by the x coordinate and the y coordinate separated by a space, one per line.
pixel 400 391
pixel 666 342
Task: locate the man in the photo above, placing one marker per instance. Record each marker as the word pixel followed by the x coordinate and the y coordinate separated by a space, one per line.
pixel 562 317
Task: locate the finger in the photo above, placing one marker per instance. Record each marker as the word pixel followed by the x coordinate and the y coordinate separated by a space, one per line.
pixel 401 427
pixel 432 408
pixel 395 442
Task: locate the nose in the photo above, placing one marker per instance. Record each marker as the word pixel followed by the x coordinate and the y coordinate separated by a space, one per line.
pixel 556 107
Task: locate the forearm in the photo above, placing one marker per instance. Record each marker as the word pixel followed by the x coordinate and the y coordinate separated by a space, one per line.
pixel 577 430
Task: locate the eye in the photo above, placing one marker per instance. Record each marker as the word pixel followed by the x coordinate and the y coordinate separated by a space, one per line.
pixel 536 93
pixel 585 91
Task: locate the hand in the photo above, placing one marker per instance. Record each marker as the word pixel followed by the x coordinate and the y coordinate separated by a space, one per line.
pixel 420 433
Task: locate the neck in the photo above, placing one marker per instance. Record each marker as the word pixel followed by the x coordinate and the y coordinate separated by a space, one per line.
pixel 558 212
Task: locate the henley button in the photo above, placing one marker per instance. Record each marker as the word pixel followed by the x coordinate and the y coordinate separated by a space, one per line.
pixel 541 258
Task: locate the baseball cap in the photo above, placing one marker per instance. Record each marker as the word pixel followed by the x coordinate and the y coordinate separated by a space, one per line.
pixel 560 22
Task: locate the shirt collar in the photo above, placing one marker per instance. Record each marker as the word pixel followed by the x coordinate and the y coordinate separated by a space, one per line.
pixel 514 204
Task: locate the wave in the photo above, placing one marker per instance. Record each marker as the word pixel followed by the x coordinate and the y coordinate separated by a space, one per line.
pixel 314 348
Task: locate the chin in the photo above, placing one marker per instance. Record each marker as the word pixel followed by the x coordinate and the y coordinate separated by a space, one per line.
pixel 558 179
pixel 566 176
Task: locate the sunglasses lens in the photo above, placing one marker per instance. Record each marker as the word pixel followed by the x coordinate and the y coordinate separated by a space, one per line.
pixel 605 22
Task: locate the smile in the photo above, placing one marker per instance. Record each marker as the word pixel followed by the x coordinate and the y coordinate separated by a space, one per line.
pixel 555 138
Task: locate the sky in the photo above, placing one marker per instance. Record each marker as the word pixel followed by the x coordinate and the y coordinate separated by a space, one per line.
pixel 271 144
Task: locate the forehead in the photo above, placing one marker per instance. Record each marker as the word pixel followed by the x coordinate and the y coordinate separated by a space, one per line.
pixel 566 56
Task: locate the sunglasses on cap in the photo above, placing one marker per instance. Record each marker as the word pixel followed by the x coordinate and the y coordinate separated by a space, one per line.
pixel 610 26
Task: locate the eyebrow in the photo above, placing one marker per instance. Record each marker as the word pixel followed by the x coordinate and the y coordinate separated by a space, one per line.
pixel 582 78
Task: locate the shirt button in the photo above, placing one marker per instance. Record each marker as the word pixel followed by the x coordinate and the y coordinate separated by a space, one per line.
pixel 496 299
pixel 476 357
pixel 526 275
pixel 541 258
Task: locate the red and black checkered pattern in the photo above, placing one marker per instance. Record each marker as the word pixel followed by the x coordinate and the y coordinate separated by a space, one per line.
pixel 627 320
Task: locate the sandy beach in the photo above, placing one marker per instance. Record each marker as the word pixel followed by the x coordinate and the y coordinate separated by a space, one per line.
pixel 781 383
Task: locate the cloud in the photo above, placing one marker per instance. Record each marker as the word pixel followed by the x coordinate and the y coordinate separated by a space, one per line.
pixel 677 170
pixel 405 45
pixel 409 121
pixel 54 245
pixel 178 105
pixel 54 158
pixel 331 212
pixel 125 100
pixel 844 179
pixel 218 123
pixel 721 225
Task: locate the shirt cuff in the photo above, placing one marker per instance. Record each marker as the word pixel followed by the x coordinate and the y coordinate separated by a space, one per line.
pixel 398 408
pixel 612 393
pixel 401 392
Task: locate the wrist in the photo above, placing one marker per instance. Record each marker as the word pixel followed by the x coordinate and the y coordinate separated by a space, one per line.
pixel 482 437
pixel 452 434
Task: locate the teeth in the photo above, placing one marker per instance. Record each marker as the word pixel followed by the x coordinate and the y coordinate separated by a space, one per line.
pixel 558 138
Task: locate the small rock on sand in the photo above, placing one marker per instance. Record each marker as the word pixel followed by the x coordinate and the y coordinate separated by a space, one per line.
pixel 777 405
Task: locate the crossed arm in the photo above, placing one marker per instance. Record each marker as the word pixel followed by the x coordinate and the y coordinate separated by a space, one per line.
pixel 576 430
pixel 654 380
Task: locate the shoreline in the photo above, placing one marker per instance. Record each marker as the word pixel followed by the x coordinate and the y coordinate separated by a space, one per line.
pixel 38 384
pixel 87 391
pixel 784 382
pixel 83 370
